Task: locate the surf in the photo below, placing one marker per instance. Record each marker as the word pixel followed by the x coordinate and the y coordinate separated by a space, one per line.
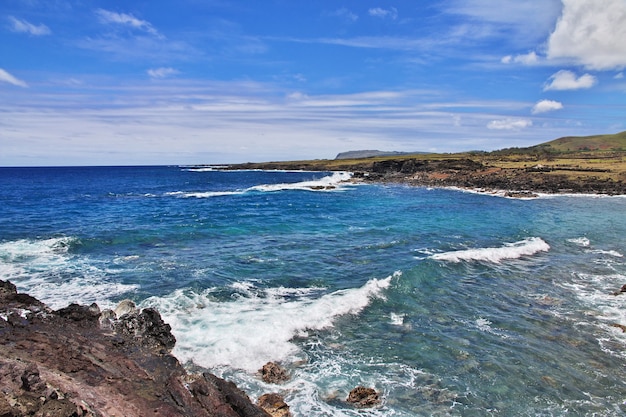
pixel 526 247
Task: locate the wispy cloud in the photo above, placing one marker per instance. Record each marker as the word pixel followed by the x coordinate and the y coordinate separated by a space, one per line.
pixel 591 33
pixel 567 80
pixel 545 106
pixel 8 78
pixel 127 20
pixel 345 14
pixel 524 59
pixel 509 124
pixel 391 13
pixel 524 22
pixel 162 72
pixel 23 26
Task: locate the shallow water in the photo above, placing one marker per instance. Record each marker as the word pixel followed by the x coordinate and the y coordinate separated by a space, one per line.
pixel 449 303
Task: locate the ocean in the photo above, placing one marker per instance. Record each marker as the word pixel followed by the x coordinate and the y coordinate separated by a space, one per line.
pixel 447 302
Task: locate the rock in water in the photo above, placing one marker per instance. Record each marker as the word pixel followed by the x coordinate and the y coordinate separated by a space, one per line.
pixel 363 397
pixel 273 373
pixel 274 405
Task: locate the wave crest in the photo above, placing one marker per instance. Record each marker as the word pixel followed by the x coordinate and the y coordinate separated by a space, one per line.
pixel 515 250
pixel 258 325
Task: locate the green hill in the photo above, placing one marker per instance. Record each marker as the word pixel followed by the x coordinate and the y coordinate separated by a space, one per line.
pixel 616 141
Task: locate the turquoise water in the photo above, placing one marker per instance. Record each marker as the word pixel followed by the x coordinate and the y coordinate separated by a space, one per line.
pixel 447 302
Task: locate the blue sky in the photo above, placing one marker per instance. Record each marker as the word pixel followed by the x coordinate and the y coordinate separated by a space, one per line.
pixel 216 81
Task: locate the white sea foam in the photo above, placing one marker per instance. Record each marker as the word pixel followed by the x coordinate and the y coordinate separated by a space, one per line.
pixel 47 271
pixel 580 241
pixel 515 250
pixel 336 181
pixel 203 194
pixel 257 326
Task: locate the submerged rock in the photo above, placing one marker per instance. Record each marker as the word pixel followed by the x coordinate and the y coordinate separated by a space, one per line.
pixel 63 363
pixel 363 397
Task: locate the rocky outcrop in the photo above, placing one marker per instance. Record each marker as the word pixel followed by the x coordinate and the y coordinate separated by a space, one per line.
pixel 363 397
pixel 467 173
pixel 274 405
pixel 273 373
pixel 79 361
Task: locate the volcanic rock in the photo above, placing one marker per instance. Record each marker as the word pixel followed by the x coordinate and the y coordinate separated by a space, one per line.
pixel 363 397
pixel 273 373
pixel 274 405
pixel 63 363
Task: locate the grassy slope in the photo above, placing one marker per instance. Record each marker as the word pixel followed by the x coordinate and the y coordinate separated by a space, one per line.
pixel 580 143
pixel 601 156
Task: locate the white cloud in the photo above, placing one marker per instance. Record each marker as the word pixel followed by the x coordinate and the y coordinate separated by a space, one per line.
pixel 544 106
pixel 509 124
pixel 162 72
pixel 391 13
pixel 525 59
pixel 345 14
pixel 591 33
pixel 524 22
pixel 8 78
pixel 22 26
pixel 619 76
pixel 126 20
pixel 567 80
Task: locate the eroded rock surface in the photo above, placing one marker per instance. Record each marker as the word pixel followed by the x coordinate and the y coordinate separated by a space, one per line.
pixel 78 362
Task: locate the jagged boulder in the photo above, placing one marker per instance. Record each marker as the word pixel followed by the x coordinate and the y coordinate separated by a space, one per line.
pixel 147 328
pixel 273 373
pixel 274 404
pixel 363 397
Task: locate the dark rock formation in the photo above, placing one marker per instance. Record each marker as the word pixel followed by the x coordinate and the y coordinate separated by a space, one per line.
pixel 363 397
pixel 63 363
pixel 273 373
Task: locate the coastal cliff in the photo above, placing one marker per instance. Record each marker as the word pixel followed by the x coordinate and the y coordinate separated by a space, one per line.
pixel 81 361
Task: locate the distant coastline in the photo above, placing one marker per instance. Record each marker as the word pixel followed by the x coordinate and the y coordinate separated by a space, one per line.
pixel 571 165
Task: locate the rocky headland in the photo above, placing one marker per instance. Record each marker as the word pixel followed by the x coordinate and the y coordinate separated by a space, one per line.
pixel 81 361
pixel 577 165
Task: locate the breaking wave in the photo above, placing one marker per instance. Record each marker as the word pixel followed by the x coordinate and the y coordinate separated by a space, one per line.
pixel 47 270
pixel 258 325
pixel 515 250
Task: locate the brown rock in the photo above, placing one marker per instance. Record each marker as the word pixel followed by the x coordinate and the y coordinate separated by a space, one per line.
pixel 273 373
pixel 63 364
pixel 363 397
pixel 274 405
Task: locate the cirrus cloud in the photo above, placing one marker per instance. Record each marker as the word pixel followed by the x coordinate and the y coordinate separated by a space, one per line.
pixel 22 26
pixel 162 72
pixel 567 80
pixel 545 106
pixel 8 78
pixel 124 19
pixel 509 124
pixel 391 13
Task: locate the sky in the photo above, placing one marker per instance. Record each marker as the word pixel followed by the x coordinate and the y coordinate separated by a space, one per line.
pixel 143 82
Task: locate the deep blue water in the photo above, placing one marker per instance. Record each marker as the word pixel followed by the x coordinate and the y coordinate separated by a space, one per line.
pixel 447 302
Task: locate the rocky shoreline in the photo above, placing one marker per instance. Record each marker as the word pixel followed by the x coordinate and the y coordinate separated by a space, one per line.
pixel 469 174
pixel 525 179
pixel 80 361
